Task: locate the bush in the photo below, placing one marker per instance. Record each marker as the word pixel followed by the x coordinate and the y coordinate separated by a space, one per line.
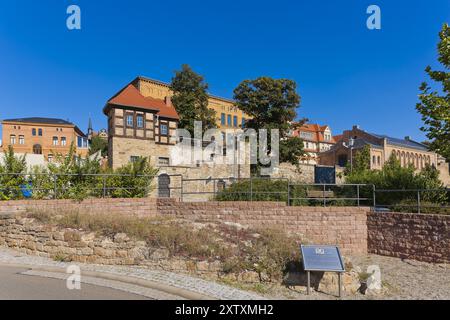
pixel 405 179
pixel 70 177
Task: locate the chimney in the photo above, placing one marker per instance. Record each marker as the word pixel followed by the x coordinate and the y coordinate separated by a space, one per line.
pixel 168 101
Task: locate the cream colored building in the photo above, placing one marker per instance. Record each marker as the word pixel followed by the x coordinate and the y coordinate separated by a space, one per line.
pixel 381 147
pixel 228 116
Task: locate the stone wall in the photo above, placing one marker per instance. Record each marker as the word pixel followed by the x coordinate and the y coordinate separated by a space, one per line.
pixel 26 235
pixel 343 226
pixel 302 173
pixel 423 237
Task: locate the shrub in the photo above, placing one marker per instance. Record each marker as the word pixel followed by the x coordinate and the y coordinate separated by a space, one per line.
pixel 70 177
pixel 395 177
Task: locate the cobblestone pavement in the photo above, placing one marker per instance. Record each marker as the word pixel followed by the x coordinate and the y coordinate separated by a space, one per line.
pixel 402 279
pixel 409 279
pixel 200 286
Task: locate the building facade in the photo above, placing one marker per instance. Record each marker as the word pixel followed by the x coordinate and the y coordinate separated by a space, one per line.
pixel 381 148
pixel 316 139
pixel 228 116
pixel 43 136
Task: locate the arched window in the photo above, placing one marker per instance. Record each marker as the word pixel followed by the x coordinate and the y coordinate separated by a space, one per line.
pixel 37 149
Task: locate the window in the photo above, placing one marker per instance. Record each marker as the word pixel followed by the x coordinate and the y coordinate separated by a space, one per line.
pixel 163 129
pixel 222 119
pixel 306 135
pixel 235 121
pixel 82 142
pixel 229 120
pixel 37 149
pixel 13 139
pixel 33 131
pixel 140 121
pixel 129 120
pixel 21 140
pixel 63 141
pixel 40 132
pixel 134 159
pixel 55 141
pixel 163 161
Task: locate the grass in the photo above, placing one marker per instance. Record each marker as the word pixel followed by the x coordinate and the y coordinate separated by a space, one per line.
pixel 269 252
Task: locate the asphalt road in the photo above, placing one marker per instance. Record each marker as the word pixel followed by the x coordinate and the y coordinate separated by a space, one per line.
pixel 15 286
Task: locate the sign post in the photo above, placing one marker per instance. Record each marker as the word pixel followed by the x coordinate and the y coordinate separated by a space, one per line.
pixel 324 259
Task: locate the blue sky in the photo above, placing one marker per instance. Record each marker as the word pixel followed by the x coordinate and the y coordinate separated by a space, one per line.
pixel 346 74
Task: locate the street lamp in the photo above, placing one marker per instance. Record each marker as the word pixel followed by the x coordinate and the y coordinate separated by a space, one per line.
pixel 351 143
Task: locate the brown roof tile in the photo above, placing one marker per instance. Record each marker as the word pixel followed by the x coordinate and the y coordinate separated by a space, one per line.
pixel 131 97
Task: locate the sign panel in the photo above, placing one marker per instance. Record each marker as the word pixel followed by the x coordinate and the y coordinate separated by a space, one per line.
pixel 322 258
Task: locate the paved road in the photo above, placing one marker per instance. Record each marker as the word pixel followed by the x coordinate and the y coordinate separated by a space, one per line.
pixel 14 285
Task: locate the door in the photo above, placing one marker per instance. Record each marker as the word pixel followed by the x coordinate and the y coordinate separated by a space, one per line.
pixel 326 175
pixel 164 186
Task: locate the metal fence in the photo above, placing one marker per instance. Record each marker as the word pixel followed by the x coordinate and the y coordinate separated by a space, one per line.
pixel 413 200
pixel 72 185
pixel 85 185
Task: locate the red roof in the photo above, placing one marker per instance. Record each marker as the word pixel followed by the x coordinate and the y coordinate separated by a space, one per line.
pixel 317 133
pixel 131 97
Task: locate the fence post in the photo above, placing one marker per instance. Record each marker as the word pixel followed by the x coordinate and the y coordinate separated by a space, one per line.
pixel 324 198
pixel 289 194
pixel 418 201
pixel 357 193
pixel 104 186
pixel 55 186
pixel 251 189
pixel 374 197
pixel 181 188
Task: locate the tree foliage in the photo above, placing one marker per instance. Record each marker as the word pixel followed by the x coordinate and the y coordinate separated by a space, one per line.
pixel 434 105
pixel 361 161
pixel 70 177
pixel 98 144
pixel 272 104
pixel 190 99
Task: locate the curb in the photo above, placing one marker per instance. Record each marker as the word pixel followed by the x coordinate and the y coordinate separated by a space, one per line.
pixel 189 295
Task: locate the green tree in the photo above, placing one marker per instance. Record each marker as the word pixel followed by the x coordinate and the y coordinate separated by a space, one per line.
pixel 272 104
pixel 98 144
pixel 190 99
pixel 434 105
pixel 12 175
pixel 361 161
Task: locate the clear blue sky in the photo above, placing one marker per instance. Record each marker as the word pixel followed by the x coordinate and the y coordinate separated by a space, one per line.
pixel 346 74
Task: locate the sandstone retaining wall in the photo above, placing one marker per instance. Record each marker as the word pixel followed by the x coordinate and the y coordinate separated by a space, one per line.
pixel 343 226
pixel 423 237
